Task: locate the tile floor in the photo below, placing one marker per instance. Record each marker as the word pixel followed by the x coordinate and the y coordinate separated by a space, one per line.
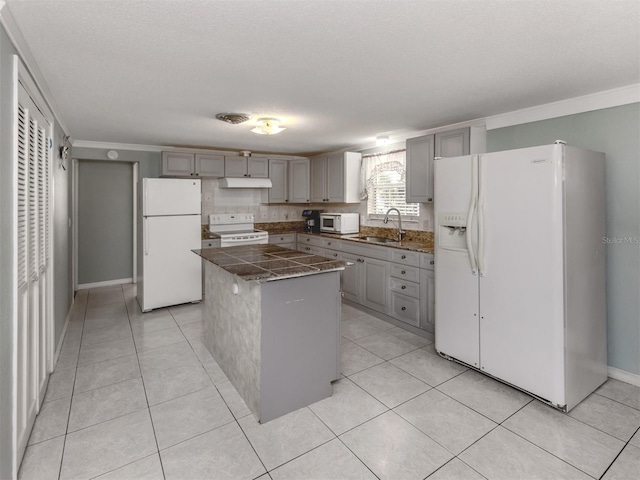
pixel 137 396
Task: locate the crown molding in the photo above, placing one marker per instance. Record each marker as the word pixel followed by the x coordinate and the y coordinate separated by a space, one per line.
pixel 19 43
pixel 586 103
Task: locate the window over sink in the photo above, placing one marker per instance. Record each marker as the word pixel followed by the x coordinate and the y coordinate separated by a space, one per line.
pixel 385 180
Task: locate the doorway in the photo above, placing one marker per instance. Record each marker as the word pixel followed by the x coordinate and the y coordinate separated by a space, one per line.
pixel 105 223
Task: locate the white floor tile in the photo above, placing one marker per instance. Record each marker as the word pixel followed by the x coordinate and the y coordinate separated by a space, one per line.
pixel 60 384
pixel 504 455
pixel 233 400
pixel 446 421
pixel 105 351
pixel 389 384
pixel 105 373
pixel 427 366
pixel 168 384
pixel 348 407
pixel 185 417
pixel 485 395
pixel 148 468
pixel 607 415
pixel 42 461
pixel 51 420
pixel 331 461
pixel 626 466
pixel 394 449
pixel 385 345
pixel 584 447
pixel 220 454
pixel 456 470
pixel 621 392
pixel 162 358
pixel 286 437
pixel 354 358
pixel 159 338
pixel 106 403
pixel 104 447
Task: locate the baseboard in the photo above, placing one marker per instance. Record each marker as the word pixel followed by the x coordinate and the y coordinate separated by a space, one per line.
pixel 62 335
pixel 624 376
pixel 108 283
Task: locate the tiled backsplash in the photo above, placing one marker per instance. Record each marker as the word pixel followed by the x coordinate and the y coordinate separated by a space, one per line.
pixel 253 200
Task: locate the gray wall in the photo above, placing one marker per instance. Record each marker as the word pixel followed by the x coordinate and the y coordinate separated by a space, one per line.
pixel 105 221
pixel 61 238
pixel 105 246
pixel 614 131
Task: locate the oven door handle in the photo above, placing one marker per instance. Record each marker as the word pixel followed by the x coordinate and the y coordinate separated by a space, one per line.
pixel 253 239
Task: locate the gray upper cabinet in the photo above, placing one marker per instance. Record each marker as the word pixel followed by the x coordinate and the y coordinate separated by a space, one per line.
pixel 180 164
pixel 299 181
pixel 177 164
pixel 335 178
pixel 209 165
pixel 420 154
pixel 278 175
pixel 453 143
pixel 290 181
pixel 246 167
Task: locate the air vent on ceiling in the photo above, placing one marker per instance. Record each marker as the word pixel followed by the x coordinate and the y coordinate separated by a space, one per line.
pixel 233 118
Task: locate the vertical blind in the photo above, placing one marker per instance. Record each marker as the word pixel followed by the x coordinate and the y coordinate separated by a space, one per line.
pixel 385 175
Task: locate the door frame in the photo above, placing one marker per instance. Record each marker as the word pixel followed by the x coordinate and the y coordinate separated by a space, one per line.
pixel 135 165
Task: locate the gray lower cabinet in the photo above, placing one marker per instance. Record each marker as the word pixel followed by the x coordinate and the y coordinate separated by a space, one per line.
pixel 398 283
pixel 374 294
pixel 286 240
pixel 427 293
pixel 351 277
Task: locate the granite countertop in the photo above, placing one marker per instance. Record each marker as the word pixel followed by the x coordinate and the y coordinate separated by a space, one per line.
pixel 265 263
pixel 415 240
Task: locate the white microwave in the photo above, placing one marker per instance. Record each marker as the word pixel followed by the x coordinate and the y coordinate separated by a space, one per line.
pixel 340 223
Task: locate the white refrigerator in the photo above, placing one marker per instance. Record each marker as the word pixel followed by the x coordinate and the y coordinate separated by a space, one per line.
pixel 169 273
pixel 520 268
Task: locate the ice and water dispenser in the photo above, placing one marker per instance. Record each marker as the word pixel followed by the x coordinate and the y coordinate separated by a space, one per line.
pixel 452 230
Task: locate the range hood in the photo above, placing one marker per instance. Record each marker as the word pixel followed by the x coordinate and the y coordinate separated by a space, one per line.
pixel 245 182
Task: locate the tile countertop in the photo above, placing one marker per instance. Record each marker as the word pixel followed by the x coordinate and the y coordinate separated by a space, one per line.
pixel 265 263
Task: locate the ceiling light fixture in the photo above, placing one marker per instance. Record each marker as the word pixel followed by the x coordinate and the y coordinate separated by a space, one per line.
pixel 382 140
pixel 267 126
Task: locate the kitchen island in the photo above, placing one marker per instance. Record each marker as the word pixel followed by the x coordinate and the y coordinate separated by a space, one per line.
pixel 273 324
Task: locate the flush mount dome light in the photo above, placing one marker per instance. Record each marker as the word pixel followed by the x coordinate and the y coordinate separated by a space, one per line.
pixel 267 126
pixel 233 118
pixel 382 140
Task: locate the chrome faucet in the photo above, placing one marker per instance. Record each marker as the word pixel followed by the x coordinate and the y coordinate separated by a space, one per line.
pixel 386 220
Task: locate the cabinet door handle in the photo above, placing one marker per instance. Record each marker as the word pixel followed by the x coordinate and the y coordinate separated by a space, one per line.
pixel 360 260
pixel 328 243
pixel 403 272
pixel 403 257
pixel 335 254
pixel 431 262
pixel 403 287
pixel 307 248
pixel 403 308
pixel 308 239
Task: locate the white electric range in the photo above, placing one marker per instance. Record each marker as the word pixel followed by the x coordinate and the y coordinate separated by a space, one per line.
pixel 236 229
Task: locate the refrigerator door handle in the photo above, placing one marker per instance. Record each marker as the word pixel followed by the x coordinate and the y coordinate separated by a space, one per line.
pixel 146 235
pixel 471 212
pixel 481 196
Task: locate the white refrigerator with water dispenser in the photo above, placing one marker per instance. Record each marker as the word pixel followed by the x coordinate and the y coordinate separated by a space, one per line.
pixel 520 268
pixel 169 220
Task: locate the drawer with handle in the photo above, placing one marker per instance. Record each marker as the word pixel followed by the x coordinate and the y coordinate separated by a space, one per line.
pixel 406 257
pixel 405 287
pixel 405 272
pixel 405 308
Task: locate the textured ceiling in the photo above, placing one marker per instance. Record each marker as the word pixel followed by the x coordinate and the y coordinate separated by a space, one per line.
pixel 156 72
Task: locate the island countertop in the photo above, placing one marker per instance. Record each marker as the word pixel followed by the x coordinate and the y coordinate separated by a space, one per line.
pixel 265 263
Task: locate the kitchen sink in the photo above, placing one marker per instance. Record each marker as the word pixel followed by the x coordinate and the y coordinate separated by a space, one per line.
pixel 379 239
